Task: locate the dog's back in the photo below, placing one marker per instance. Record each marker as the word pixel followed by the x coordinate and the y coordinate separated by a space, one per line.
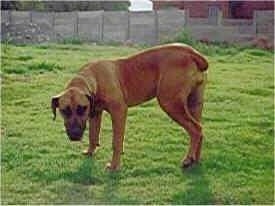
pixel 140 73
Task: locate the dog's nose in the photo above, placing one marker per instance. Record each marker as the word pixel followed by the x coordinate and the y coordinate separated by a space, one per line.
pixel 73 138
pixel 75 133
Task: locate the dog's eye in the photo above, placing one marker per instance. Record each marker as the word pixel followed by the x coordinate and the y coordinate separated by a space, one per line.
pixel 66 112
pixel 81 110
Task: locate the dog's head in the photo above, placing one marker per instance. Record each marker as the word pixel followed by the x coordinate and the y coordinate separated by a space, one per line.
pixel 75 107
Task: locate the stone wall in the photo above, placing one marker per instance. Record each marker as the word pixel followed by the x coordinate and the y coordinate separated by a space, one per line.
pixel 264 21
pixel 170 23
pixel 116 26
pixel 143 27
pixel 89 26
pixel 135 27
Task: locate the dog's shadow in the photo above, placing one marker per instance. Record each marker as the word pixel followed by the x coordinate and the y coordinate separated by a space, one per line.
pixel 86 174
pixel 110 191
pixel 197 189
pixel 91 174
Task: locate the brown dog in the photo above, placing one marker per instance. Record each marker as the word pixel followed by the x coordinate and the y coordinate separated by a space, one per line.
pixel 174 73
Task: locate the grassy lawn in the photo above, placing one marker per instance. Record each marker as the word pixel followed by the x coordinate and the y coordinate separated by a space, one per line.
pixel 40 165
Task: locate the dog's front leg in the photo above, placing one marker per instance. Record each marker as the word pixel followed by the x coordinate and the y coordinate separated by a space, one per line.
pixel 94 129
pixel 118 115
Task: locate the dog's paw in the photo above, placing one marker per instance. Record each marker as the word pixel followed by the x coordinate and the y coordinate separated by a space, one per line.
pixel 88 152
pixel 112 168
pixel 188 162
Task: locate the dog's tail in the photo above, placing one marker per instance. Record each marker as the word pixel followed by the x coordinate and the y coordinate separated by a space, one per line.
pixel 200 60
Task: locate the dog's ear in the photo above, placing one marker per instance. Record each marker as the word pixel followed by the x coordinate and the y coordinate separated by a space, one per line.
pixel 54 105
pixel 91 99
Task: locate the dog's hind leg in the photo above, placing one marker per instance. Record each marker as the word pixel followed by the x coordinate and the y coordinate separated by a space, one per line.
pixel 177 108
pixel 195 106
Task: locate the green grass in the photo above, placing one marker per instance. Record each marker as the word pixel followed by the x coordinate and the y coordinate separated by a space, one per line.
pixel 40 165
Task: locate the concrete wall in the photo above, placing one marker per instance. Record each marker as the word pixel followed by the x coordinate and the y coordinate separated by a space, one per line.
pixel 170 23
pixel 143 27
pixel 116 26
pixel 264 21
pixel 20 17
pixel 136 27
pixel 232 30
pixel 65 25
pixel 90 25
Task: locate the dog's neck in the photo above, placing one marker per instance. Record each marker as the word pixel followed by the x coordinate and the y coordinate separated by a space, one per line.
pixel 87 85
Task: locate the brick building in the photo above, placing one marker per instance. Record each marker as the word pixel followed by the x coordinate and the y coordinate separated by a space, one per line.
pixel 230 9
